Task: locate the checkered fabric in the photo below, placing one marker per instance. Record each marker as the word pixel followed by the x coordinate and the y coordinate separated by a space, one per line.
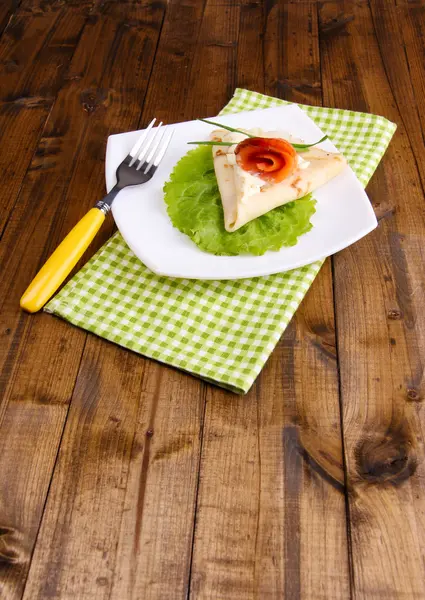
pixel 222 331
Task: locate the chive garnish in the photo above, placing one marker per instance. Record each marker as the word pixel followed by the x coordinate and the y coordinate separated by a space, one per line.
pixel 226 127
pixel 302 146
pixel 214 143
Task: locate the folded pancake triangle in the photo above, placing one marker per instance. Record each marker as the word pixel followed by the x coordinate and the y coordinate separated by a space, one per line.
pixel 246 196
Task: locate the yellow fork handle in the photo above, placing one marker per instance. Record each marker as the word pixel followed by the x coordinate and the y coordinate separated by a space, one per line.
pixel 62 261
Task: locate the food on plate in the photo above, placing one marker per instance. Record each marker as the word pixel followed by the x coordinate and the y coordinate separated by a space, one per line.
pixel 271 159
pixel 194 206
pixel 248 191
pixel 257 174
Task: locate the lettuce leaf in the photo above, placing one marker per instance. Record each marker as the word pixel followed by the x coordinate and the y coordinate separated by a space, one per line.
pixel 194 207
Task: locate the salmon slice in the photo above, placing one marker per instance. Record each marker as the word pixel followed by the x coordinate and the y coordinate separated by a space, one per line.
pixel 271 159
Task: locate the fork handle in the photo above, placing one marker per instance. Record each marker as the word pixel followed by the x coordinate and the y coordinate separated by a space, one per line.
pixel 106 202
pixel 62 261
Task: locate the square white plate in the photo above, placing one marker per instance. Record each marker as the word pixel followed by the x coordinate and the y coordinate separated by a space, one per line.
pixel 343 211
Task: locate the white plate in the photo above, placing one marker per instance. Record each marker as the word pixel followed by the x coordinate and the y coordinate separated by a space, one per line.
pixel 343 212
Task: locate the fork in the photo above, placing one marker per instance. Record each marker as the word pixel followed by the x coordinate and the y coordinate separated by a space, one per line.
pixel 138 167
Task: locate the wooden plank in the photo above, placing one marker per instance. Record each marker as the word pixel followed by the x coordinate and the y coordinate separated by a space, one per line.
pixel 154 517
pixel 413 17
pixel 51 201
pixel 35 52
pixel 172 75
pixel 27 459
pixel 25 48
pixel 410 3
pixel 379 303
pixel 126 471
pixel 213 67
pixel 291 60
pixel 250 65
pixel 271 507
pixel 7 8
pixel 401 48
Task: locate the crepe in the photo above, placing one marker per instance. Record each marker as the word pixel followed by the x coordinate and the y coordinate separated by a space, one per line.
pixel 246 196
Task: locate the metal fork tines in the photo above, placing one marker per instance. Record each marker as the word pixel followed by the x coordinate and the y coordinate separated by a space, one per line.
pixel 150 148
pixel 141 162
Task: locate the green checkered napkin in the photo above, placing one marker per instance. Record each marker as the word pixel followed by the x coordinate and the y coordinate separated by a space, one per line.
pixel 222 331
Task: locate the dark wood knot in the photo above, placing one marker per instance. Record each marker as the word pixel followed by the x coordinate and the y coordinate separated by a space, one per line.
pixel 12 547
pixel 337 25
pixel 48 146
pixel 413 395
pixel 92 99
pixel 383 212
pixel 302 87
pixel 324 340
pixel 158 6
pixel 394 314
pixel 11 66
pixel 388 458
pixel 321 456
pixel 180 444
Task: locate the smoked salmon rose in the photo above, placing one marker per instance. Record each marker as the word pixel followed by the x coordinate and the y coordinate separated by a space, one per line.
pixel 271 159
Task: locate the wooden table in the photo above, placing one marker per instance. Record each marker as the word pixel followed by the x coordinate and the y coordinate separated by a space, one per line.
pixel 121 478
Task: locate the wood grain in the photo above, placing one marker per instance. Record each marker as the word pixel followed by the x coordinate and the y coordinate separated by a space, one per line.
pixel 292 64
pixel 400 50
pixel 63 181
pixel 212 79
pixel 379 300
pixel 114 526
pixel 271 507
pixel 121 478
pixel 155 521
pixel 413 36
pixel 34 56
pixel 173 73
pixel 7 8
pixel 56 192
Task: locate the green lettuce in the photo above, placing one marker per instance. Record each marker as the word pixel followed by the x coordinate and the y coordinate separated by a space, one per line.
pixel 194 206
